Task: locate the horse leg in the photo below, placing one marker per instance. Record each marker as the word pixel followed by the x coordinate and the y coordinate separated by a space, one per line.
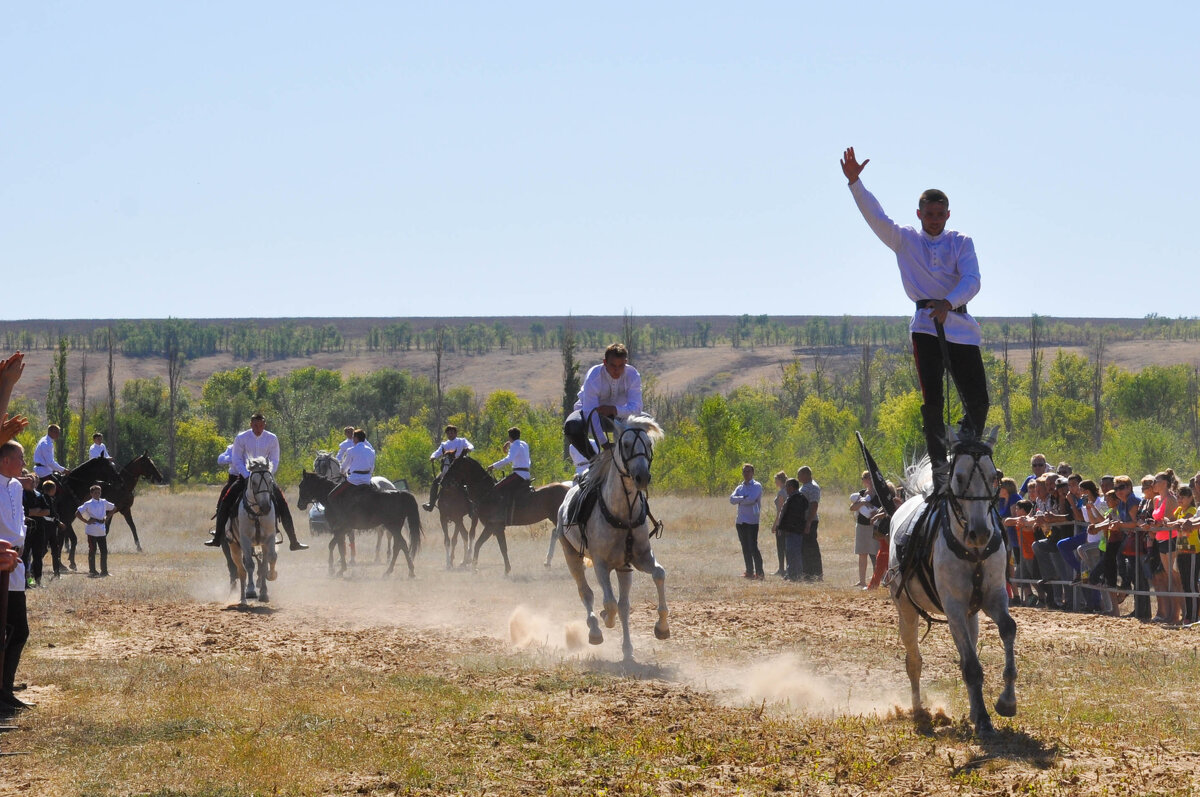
pixel 609 613
pixel 469 541
pixel 248 565
pixel 912 650
pixel 353 547
pixel 503 540
pixel 333 543
pixel 233 543
pixel 449 543
pixel 229 563
pixel 964 627
pixel 648 564
pixel 487 532
pixel 128 515
pixel 624 580
pixel 268 566
pixel 575 565
pixel 997 609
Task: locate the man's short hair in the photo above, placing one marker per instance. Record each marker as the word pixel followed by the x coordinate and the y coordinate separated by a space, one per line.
pixel 792 485
pixel 451 428
pixel 347 430
pixel 933 195
pixel 514 433
pixel 258 416
pixel 95 487
pixel 804 469
pixel 54 427
pixel 359 435
pixel 1075 477
pixel 97 434
pixel 616 351
pixel 7 449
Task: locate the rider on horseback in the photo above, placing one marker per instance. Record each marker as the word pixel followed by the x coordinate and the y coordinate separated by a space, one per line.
pixel 451 449
pixel 358 465
pixel 254 442
pixel 516 454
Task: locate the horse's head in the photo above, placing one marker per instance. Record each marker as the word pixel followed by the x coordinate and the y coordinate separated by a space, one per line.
pixel 971 488
pixel 260 487
pixel 312 488
pixel 326 465
pixel 467 474
pixel 633 450
pixel 149 469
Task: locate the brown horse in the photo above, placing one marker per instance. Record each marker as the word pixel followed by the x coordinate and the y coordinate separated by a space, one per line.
pixel 121 494
pixel 539 504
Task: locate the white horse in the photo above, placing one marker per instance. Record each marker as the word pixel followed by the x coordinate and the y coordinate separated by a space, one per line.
pixel 617 534
pixel 958 568
pixel 254 526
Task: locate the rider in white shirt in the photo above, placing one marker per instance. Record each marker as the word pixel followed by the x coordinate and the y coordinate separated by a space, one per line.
pixel 516 454
pixel 44 463
pixel 346 444
pixel 359 463
pixel 97 448
pixel 451 449
pixel 612 389
pixel 254 442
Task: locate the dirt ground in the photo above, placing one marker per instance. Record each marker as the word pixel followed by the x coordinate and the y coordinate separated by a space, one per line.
pixel 816 669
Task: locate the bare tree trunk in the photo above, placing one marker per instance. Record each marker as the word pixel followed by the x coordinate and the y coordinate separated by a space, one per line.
pixel 81 448
pixel 820 367
pixel 570 372
pixel 864 386
pixel 1004 387
pixel 175 364
pixel 629 333
pixel 110 438
pixel 439 345
pixel 1035 371
pixel 1097 391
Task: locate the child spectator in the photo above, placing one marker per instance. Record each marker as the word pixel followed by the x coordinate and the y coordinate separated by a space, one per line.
pixel 94 513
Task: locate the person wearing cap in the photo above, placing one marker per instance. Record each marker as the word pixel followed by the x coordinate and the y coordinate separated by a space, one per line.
pixel 250 444
pixel 516 455
pixel 44 463
pixel 940 274
pixel 450 449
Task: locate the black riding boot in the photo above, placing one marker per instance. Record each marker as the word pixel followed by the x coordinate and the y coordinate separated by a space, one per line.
pixel 284 514
pixel 225 508
pixel 433 495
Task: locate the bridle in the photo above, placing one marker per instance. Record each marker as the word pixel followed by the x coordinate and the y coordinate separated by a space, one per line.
pixel 977 450
pixel 640 447
pixel 259 483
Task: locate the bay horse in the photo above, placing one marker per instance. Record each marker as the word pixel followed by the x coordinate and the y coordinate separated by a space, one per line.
pixel 73 486
pixel 528 507
pixel 617 534
pixel 956 567
pixel 326 465
pixel 363 509
pixel 122 494
pixel 253 526
pixel 453 505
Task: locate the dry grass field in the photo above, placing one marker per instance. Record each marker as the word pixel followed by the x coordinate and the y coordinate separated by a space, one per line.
pixel 153 682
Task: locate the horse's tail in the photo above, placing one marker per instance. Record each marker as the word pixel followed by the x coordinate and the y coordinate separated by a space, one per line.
pixel 412 514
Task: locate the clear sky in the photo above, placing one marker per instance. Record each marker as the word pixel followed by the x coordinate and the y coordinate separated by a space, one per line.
pixel 398 158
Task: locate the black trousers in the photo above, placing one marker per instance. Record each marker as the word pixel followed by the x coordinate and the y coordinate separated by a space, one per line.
pixel 966 369
pixel 18 632
pixel 575 429
pixel 748 538
pixel 810 555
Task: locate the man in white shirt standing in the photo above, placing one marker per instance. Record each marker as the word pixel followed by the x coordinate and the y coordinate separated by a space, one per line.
pixel 612 389
pixel 44 463
pixel 97 448
pixel 940 273
pixel 747 497
pixel 346 444
pixel 254 442
pixel 451 449
pixel 12 531
pixel 516 454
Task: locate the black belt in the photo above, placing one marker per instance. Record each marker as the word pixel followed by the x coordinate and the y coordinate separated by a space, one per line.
pixel 923 303
pixel 359 472
pixel 524 469
pixel 40 465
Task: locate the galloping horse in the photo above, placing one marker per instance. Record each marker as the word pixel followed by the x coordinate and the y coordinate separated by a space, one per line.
pixel 617 535
pixel 254 526
pixel 453 506
pixel 529 508
pixel 361 509
pixel 955 569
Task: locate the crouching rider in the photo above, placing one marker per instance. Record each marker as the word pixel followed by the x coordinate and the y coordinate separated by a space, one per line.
pixel 451 449
pixel 254 442
pixel 517 483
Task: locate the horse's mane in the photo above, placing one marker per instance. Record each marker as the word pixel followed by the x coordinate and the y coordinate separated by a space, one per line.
pixel 602 464
pixel 918 477
pixel 644 422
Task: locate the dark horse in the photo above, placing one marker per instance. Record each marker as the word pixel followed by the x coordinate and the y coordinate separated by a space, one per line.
pixel 454 507
pixel 362 509
pixel 469 477
pixel 116 486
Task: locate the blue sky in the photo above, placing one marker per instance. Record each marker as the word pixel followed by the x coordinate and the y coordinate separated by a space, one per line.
pixel 380 159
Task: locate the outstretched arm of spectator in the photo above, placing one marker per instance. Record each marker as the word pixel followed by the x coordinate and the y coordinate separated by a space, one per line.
pixel 10 372
pixel 11 427
pixel 8 557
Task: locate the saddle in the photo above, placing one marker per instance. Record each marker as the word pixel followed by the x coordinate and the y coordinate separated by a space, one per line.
pixel 579 510
pixel 914 553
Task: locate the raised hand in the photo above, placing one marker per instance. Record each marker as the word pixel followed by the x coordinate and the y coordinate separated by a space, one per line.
pixel 11 427
pixel 850 165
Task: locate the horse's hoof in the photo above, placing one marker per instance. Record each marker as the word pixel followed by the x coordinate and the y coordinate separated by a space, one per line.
pixel 610 618
pixel 139 549
pixel 984 726
pixel 271 574
pixel 264 599
pixel 664 633
pixel 1006 708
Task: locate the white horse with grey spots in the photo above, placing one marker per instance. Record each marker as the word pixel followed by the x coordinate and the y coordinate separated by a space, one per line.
pixel 252 532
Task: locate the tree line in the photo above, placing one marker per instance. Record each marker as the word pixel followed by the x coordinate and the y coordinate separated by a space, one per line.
pixel 1074 407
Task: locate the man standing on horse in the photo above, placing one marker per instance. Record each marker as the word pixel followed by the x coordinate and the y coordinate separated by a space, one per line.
pixel 516 454
pixel 940 273
pixel 358 462
pixel 254 442
pixel 612 389
pixel 451 449
pixel 44 463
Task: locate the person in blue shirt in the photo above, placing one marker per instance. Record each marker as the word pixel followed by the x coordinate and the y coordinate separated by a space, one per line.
pixel 747 497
